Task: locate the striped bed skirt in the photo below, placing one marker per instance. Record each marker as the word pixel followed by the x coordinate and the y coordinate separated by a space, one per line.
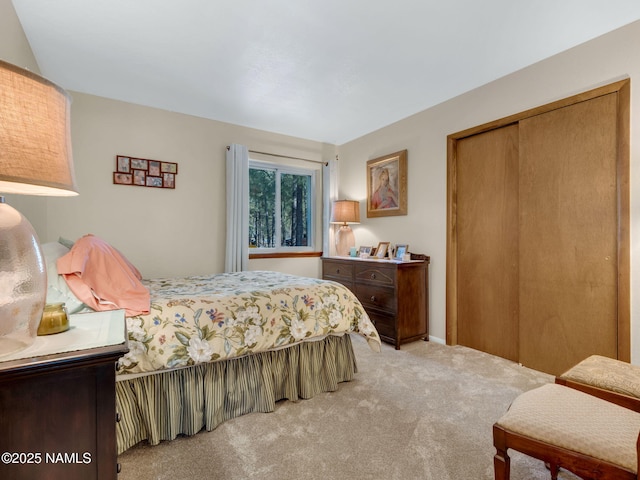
pixel 163 405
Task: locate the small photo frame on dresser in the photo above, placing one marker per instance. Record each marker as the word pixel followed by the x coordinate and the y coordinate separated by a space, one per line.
pixel 383 248
pixel 401 250
pixel 364 252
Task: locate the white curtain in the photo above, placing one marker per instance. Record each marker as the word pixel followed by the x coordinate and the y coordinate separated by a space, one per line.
pixel 237 253
pixel 329 194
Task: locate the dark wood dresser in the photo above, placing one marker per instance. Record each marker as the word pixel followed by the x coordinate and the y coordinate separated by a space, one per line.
pixel 57 410
pixel 394 294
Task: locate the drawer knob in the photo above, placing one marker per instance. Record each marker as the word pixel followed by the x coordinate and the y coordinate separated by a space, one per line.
pixel 373 298
pixel 373 276
pixel 337 270
pixel 118 417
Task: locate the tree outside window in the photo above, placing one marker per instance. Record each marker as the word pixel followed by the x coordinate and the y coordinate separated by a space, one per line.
pixel 280 207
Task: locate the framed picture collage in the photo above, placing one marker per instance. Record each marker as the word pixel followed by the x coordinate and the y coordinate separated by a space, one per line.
pixel 143 172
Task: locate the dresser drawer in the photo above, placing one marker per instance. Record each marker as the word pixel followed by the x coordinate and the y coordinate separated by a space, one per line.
pixel 385 324
pixel 375 274
pixel 336 270
pixel 382 298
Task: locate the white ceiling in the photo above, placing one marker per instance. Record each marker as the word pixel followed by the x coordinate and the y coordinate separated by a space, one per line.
pixel 325 70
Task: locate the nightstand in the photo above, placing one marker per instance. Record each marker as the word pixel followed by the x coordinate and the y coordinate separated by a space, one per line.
pixel 394 294
pixel 57 402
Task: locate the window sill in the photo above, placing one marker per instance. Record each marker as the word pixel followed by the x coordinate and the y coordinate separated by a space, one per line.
pixel 253 256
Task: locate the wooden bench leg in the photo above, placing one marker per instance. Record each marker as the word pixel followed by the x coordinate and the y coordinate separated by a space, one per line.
pixel 553 469
pixel 501 460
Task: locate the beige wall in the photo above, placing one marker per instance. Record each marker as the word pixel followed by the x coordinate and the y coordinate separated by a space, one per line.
pixel 14 47
pixel 604 60
pixel 163 231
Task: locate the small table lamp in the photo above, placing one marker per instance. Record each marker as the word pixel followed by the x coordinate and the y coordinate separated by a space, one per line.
pixel 35 159
pixel 345 212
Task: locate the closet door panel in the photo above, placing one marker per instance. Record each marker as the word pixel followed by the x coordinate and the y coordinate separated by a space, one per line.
pixel 568 235
pixel 487 247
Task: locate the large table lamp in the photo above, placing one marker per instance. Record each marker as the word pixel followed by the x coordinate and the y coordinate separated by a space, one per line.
pixel 345 212
pixel 35 159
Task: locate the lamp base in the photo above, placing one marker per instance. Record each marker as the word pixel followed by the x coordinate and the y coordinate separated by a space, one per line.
pixel 23 281
pixel 344 240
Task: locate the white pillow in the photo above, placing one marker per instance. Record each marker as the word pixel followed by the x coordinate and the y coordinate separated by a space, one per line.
pixel 66 242
pixel 57 289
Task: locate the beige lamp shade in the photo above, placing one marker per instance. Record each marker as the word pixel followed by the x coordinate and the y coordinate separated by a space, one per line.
pixel 345 211
pixel 35 135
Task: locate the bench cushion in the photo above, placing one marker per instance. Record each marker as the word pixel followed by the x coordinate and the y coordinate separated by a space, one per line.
pixel 568 418
pixel 608 374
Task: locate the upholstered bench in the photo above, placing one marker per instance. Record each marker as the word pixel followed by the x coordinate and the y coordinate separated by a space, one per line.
pixel 567 428
pixel 607 378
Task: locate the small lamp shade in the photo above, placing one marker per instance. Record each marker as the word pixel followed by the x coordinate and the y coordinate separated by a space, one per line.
pixel 35 159
pixel 343 213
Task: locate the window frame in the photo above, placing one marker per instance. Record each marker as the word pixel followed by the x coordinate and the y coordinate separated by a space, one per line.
pixel 256 252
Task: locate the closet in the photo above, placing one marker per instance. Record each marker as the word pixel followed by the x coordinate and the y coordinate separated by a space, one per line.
pixel 538 233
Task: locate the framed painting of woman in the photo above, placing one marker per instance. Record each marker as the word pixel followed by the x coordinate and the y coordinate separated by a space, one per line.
pixel 387 185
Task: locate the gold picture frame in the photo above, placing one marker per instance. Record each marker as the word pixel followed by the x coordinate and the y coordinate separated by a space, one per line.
pixel 401 250
pixel 387 185
pixel 382 250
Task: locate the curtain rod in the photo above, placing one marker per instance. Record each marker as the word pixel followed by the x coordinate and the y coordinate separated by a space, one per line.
pixel 289 156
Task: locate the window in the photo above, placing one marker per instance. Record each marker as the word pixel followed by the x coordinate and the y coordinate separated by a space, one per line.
pixel 281 208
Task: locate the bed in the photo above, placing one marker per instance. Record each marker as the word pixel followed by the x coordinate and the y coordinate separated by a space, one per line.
pixel 214 347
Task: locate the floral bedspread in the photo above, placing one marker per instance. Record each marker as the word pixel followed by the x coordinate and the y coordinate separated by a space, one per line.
pixel 215 317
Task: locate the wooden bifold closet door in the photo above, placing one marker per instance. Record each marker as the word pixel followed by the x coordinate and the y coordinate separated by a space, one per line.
pixel 538 239
pixel 487 213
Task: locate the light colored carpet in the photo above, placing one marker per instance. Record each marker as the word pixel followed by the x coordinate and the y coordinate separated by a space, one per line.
pixel 423 412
